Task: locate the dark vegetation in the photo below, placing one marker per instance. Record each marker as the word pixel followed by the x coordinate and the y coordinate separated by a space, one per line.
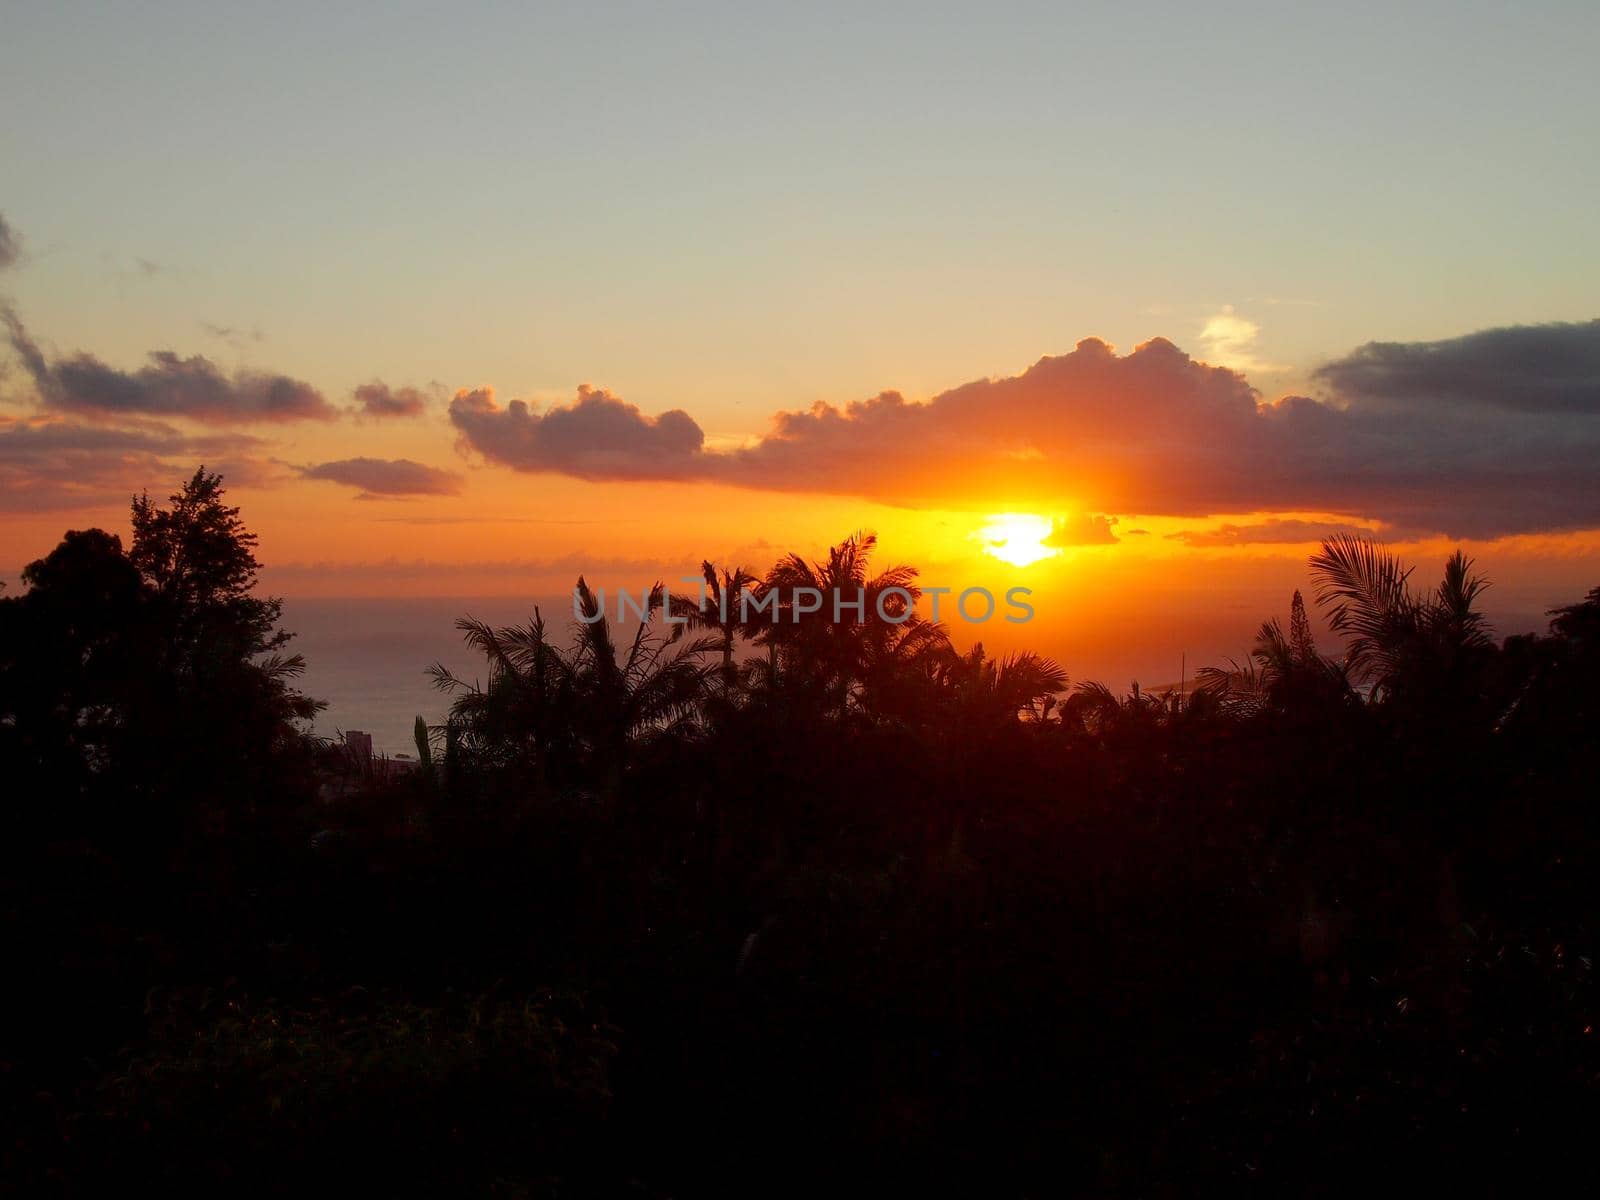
pixel 771 909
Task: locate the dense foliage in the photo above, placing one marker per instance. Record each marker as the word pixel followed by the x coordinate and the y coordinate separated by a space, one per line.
pixel 756 908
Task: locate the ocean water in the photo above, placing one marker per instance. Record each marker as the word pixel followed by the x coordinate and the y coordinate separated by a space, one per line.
pixel 368 658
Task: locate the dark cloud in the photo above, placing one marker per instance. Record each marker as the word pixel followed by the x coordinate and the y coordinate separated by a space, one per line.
pixel 10 244
pixel 596 437
pixel 1526 368
pixel 1492 434
pixel 378 399
pixel 1083 529
pixel 1284 531
pixel 383 477
pixel 168 386
pixel 53 465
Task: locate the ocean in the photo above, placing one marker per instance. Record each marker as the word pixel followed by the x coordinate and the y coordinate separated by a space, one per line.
pixel 369 658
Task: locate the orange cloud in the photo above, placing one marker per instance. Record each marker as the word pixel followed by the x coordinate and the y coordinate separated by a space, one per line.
pixel 1448 440
pixel 49 465
pixel 383 477
pixel 597 437
pixel 378 399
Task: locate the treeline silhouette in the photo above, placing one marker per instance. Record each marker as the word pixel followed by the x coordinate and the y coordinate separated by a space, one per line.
pixel 766 907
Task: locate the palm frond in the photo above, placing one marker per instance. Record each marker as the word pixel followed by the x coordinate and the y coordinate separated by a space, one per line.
pixel 1366 591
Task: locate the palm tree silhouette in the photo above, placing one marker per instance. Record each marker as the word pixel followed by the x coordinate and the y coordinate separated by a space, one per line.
pixel 834 654
pixel 653 687
pixel 1095 708
pixel 524 716
pixel 1398 640
pixel 985 692
pixel 899 668
pixel 1283 671
pixel 720 609
pixel 567 714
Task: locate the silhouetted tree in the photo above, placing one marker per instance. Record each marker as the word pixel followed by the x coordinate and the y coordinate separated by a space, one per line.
pixel 156 670
pixel 72 648
pixel 523 719
pixel 1397 640
pixel 988 691
pixel 817 651
pixel 546 708
pixel 720 609
pixel 1285 673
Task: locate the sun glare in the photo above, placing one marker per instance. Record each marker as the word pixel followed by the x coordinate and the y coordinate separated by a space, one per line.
pixel 1017 538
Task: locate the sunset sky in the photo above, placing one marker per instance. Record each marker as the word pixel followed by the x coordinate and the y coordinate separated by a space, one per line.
pixel 465 299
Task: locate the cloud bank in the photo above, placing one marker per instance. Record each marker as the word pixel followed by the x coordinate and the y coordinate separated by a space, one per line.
pixel 597 437
pixel 1522 368
pixel 1494 433
pixel 167 386
pixel 386 478
pixel 1276 532
pixel 54 465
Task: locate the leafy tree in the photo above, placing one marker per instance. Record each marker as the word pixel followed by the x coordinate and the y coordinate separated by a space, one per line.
pixel 154 673
pixel 199 560
pixel 1578 622
pixel 71 648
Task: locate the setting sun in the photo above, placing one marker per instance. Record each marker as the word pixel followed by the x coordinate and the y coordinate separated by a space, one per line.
pixel 1017 538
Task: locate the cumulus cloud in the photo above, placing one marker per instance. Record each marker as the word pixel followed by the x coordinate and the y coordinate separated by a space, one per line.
pixel 167 386
pixel 1081 529
pixel 383 477
pixel 10 244
pixel 377 399
pixel 49 465
pixel 1495 433
pixel 596 437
